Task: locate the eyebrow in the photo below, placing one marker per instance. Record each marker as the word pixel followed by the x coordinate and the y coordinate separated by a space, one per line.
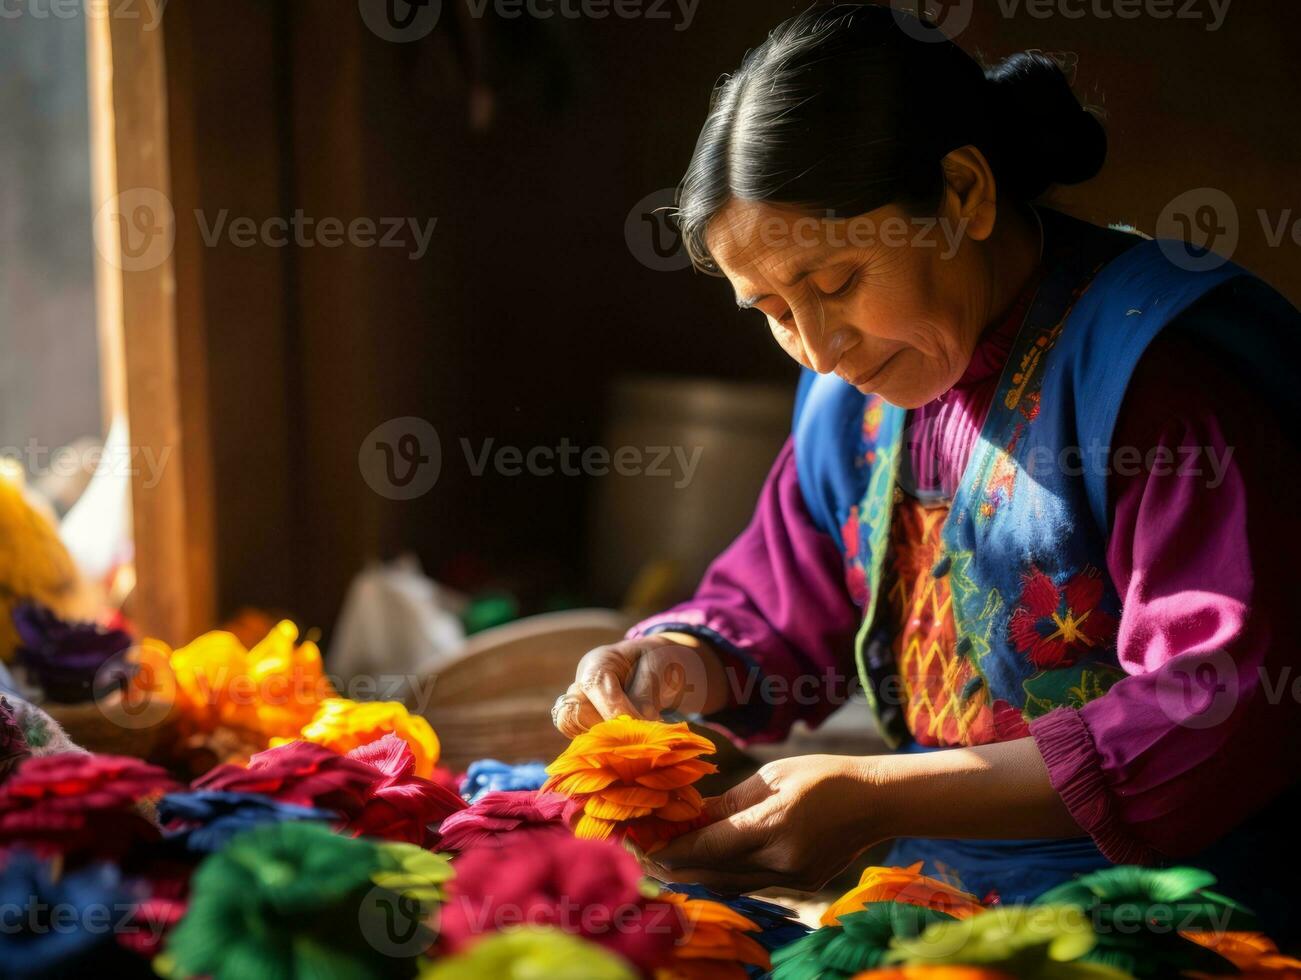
pixel 749 302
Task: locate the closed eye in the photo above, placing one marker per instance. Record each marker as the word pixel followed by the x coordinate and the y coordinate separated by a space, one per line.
pixel 853 280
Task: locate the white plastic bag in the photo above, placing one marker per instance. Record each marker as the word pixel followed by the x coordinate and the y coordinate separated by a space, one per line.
pixel 397 626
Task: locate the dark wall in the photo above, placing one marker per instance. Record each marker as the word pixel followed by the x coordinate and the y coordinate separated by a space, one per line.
pixel 529 300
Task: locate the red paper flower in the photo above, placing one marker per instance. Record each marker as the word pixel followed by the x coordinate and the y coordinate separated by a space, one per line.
pixel 589 888
pixel 1054 626
pixel 79 805
pixel 400 806
pixel 298 772
pixel 488 822
pixel 373 788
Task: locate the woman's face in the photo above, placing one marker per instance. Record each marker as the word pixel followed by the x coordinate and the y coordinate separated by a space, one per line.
pixel 890 303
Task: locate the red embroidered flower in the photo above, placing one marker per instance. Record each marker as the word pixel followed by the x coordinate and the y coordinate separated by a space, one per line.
pixel 80 805
pixel 1055 626
pixel 856 582
pixel 400 806
pixel 1009 723
pixel 849 533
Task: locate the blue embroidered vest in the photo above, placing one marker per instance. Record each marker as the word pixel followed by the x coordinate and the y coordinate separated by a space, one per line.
pixel 1034 608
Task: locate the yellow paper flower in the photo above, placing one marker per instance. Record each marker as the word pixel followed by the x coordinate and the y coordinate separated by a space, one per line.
pixel 270 691
pixel 633 776
pixel 907 885
pixel 714 944
pixel 343 725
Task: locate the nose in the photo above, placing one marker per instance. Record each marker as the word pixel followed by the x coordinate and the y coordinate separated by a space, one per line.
pixel 825 349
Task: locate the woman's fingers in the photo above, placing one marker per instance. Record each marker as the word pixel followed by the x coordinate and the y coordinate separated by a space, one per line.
pixel 727 843
pixel 603 687
pixel 573 713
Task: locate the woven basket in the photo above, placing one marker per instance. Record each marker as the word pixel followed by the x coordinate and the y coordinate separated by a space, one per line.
pixel 107 726
pixel 494 701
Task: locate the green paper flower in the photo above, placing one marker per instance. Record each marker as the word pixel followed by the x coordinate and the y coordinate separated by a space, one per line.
pixel 861 942
pixel 531 954
pixel 1026 941
pixel 1138 913
pixel 413 872
pixel 285 901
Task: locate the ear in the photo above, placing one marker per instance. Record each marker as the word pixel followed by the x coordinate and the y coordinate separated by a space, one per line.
pixel 970 196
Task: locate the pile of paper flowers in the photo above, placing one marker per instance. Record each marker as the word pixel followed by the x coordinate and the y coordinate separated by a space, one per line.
pixel 334 847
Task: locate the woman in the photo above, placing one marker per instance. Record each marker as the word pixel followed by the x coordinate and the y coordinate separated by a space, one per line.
pixel 1031 492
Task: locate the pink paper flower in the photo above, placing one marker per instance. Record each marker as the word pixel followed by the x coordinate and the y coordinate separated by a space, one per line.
pixel 298 772
pixel 583 887
pixel 488 822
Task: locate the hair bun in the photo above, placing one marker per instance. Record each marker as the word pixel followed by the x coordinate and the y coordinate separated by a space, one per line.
pixel 1041 135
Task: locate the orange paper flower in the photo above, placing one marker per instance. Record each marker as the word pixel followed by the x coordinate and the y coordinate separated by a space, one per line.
pixel 343 725
pixel 1251 952
pixel 907 885
pixel 634 777
pixel 714 943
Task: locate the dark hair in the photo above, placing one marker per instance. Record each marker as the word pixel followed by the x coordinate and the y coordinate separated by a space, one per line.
pixel 846 108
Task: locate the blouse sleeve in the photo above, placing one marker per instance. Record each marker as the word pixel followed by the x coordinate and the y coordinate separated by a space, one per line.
pixel 1200 543
pixel 776 608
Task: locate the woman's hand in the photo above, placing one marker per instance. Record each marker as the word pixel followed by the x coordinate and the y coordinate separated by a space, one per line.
pixel 796 822
pixel 641 678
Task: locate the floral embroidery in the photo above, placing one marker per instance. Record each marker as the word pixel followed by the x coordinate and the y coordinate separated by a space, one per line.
pixel 1009 723
pixel 1055 626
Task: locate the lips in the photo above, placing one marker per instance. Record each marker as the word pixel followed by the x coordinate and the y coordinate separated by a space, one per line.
pixel 858 381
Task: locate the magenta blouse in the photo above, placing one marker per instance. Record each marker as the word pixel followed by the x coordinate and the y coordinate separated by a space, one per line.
pixel 1200 535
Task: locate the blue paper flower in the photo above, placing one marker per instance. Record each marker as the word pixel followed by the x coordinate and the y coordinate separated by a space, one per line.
pixel 60 925
pixel 217 816
pixel 489 775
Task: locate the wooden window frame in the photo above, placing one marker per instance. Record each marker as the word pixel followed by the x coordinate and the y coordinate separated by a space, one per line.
pixel 153 370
